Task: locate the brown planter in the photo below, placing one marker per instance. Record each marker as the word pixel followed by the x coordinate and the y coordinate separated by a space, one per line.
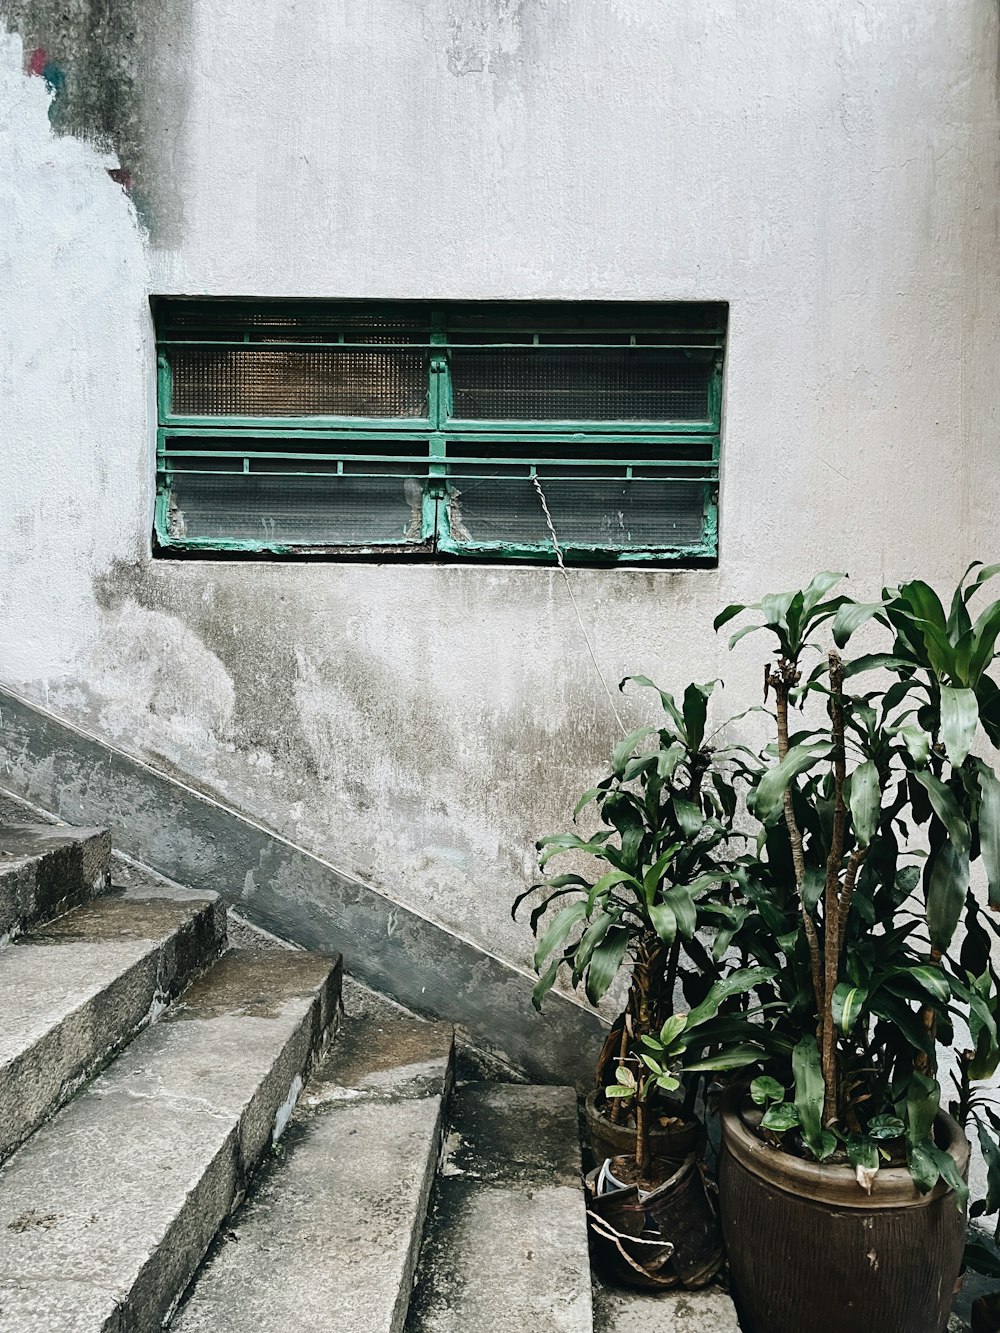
pixel 668 1147
pixel 668 1238
pixel 808 1249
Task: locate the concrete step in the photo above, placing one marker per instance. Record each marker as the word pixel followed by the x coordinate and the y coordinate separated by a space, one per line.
pixel 328 1241
pixel 45 869
pixel 506 1249
pixel 622 1310
pixel 76 990
pixel 108 1209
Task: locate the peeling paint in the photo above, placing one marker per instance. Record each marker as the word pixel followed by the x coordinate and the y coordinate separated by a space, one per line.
pixel 103 61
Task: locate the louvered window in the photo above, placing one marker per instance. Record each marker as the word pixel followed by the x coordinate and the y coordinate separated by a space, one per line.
pixel 434 431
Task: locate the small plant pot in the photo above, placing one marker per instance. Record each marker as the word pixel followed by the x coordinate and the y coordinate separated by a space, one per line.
pixel 808 1249
pixel 669 1147
pixel 986 1313
pixel 666 1238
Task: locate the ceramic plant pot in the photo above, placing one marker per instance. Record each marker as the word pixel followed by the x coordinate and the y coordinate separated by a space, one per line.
pixel 669 1147
pixel 808 1249
pixel 668 1237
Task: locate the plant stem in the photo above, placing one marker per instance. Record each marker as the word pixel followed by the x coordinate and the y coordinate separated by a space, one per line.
pixel 617 1108
pixel 926 1063
pixel 832 903
pixel 781 681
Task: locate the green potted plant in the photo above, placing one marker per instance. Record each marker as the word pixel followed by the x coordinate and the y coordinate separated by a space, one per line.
pixel 841 1175
pixel 657 902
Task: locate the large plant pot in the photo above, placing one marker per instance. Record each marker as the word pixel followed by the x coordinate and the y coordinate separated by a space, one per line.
pixel 668 1147
pixel 808 1249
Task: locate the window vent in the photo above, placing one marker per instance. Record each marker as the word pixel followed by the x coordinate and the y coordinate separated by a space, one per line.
pixel 349 429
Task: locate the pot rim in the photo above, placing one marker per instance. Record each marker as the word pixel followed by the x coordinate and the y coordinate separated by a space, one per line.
pixel 828 1183
pixel 592 1108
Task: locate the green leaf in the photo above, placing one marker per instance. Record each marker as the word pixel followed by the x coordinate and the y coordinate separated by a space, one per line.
pixel 923 1100
pixel 984 638
pixel 808 1074
pixel 986 573
pixel 731 611
pixel 736 1057
pixel 817 590
pixel 643 763
pixel 945 806
pixel 866 802
pixel 664 921
pixel 781 1118
pixel 589 796
pixel 545 983
pixel 622 752
pixel 947 882
pixel 667 761
pixel 847 1004
pixel 765 1089
pixel 616 1090
pixel 607 882
pixel 989 828
pixel 885 1127
pixel 666 699
pixel 679 900
pixel 924 1167
pixel 862 1152
pixel 560 926
pixel 874 662
pixel 672 1029
pixel 850 617
pixel 742 633
pixel 951 1175
pixel 959 722
pixel 774 607
pixel 605 963
pixel 771 789
pixel 652 877
pixel 930 979
pixel 737 983
pixel 590 939
pixel 695 712
pixel 917 742
pixel 688 816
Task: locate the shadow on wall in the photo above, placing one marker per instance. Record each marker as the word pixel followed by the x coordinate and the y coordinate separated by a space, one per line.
pixel 115 71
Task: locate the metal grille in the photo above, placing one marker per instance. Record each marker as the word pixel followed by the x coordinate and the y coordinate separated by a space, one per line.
pixel 330 381
pixel 273 509
pixel 287 425
pixel 606 384
pixel 595 512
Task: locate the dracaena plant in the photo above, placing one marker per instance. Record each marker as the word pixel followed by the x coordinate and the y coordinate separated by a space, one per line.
pixel 871 812
pixel 654 895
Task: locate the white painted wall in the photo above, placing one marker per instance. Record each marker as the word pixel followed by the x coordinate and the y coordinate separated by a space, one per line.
pixel 830 170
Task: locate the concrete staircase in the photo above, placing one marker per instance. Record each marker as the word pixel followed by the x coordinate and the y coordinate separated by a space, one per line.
pixel 184 1146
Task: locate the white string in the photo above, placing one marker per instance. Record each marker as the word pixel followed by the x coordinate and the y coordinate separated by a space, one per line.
pixel 572 596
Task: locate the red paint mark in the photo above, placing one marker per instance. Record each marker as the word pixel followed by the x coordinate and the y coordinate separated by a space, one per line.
pixel 121 176
pixel 37 61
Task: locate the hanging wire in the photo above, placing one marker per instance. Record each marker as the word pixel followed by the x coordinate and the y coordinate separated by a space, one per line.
pixel 572 596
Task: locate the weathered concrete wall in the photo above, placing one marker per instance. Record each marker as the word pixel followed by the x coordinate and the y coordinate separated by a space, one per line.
pixel 831 171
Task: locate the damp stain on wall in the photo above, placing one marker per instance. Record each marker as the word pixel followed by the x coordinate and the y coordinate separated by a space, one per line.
pixel 115 72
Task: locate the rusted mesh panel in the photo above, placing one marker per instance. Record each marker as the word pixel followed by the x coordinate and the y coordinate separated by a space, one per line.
pixel 591 511
pixel 318 510
pixel 581 384
pixel 329 381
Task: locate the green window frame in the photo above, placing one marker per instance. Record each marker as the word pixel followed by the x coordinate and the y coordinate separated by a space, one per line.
pixel 426 430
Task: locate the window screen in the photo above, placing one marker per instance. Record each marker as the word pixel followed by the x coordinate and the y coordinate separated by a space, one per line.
pixel 426 430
